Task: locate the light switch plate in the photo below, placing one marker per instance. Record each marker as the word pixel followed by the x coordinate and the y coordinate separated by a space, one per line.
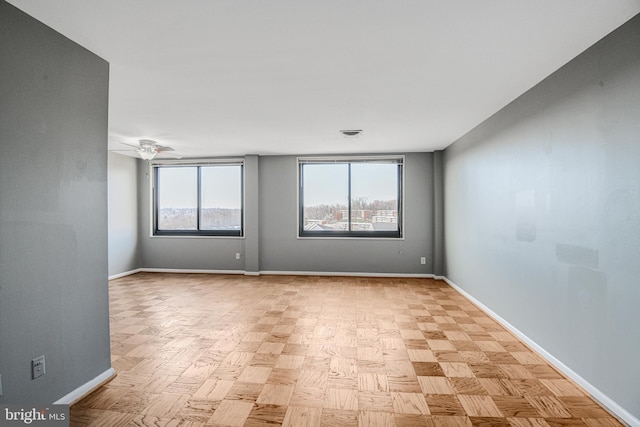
pixel 37 367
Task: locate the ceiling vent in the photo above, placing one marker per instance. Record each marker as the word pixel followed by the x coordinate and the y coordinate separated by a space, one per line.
pixel 351 132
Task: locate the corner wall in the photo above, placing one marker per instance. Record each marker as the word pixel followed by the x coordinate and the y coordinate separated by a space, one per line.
pixel 53 211
pixel 542 206
pixel 124 252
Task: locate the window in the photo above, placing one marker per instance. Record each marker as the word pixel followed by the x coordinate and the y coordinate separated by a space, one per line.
pixel 198 199
pixel 350 197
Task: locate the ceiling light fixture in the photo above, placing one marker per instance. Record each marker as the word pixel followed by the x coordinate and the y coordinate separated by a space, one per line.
pixel 351 132
pixel 148 149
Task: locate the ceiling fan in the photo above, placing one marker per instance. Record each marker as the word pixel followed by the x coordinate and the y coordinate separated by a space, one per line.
pixel 148 149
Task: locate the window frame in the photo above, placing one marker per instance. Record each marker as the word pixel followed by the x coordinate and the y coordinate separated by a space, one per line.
pixel 157 165
pixel 349 234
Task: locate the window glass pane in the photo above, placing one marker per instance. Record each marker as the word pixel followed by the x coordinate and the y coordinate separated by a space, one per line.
pixel 326 195
pixel 374 197
pixel 177 198
pixel 221 197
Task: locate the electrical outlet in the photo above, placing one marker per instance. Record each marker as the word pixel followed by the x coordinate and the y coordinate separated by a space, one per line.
pixel 423 260
pixel 237 255
pixel 37 367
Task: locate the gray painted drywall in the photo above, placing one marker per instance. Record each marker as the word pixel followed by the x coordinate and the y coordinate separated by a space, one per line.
pixel 53 211
pixel 281 250
pixel 271 242
pixel 124 253
pixel 542 207
pixel 190 253
pixel 251 215
pixel 438 213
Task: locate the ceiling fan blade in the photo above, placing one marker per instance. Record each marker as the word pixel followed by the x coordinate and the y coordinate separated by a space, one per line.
pixel 166 155
pixel 160 150
pixel 129 145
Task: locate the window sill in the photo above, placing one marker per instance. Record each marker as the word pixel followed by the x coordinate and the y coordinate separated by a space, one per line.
pixel 191 236
pixel 350 238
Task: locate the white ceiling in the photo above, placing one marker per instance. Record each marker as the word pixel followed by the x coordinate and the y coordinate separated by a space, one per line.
pixel 234 77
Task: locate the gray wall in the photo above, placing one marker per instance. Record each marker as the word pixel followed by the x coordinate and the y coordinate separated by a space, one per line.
pixel 542 207
pixel 281 250
pixel 191 253
pixel 251 214
pixel 438 240
pixel 53 211
pixel 124 253
pixel 271 242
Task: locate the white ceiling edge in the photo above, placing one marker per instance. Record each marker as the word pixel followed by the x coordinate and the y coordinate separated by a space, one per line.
pixel 227 78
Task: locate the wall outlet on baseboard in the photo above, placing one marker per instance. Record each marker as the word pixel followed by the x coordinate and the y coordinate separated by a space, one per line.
pixel 237 255
pixel 423 260
pixel 37 367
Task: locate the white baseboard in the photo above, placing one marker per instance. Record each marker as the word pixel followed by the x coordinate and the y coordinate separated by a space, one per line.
pixel 126 273
pixel 87 388
pixel 186 270
pixel 603 399
pixel 346 273
pixel 276 273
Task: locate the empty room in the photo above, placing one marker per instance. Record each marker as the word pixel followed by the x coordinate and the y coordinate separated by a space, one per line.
pixel 336 213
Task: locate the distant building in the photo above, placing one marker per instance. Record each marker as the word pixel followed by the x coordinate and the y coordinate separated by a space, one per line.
pixel 356 214
pixel 361 220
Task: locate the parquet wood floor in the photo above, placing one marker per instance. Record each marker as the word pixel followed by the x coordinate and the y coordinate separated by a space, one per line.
pixel 219 350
